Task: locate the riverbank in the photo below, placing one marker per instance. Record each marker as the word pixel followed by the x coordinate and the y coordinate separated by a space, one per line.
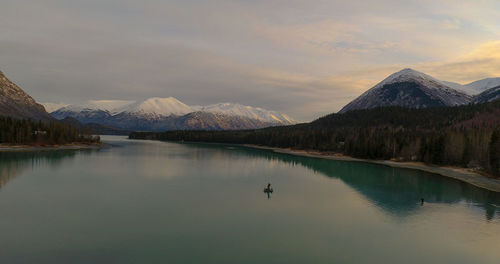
pixel 73 146
pixel 460 174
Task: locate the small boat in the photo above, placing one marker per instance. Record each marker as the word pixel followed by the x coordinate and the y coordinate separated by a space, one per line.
pixel 268 190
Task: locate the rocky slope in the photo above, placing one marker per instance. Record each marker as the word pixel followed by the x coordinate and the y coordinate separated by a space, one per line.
pixel 15 102
pixel 489 95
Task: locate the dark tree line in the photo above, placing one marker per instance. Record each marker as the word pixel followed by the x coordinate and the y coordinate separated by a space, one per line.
pixel 467 136
pixel 16 131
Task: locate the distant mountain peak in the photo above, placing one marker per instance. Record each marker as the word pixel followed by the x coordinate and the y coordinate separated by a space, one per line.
pixel 236 109
pixel 472 88
pixel 158 106
pixel 51 107
pixel 158 113
pixel 407 74
pixel 408 88
pixel 483 84
pixel 103 105
pixel 408 71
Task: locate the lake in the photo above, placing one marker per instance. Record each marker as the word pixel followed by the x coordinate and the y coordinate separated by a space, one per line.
pixel 159 202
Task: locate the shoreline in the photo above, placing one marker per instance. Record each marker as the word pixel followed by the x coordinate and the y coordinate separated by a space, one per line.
pixel 28 148
pixel 457 173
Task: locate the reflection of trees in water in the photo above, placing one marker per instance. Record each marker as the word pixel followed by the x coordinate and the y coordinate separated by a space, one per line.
pixel 13 164
pixel 397 191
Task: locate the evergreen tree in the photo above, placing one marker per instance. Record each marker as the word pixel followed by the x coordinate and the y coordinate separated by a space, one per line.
pixel 495 152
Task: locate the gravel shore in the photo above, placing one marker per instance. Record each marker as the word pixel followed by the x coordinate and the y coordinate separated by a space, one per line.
pixel 461 174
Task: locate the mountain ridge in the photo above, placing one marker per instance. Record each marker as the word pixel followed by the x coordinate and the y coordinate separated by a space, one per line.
pixel 489 95
pixel 484 84
pixel 15 102
pixel 156 106
pixel 408 88
pixel 169 113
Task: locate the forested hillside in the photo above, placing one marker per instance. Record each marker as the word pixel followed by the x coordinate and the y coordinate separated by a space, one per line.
pixel 467 136
pixel 16 131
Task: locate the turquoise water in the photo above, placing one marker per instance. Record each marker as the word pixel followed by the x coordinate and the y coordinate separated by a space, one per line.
pixel 157 202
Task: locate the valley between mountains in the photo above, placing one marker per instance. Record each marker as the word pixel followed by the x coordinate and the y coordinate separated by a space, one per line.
pixel 406 88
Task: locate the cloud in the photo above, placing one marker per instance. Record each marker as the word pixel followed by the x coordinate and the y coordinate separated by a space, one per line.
pixel 482 62
pixel 304 58
pixel 451 24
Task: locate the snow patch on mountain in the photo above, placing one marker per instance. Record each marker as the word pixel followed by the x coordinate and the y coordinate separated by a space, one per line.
pixel 159 114
pixel 408 88
pixel 157 106
pixel 408 74
pixel 473 88
pixel 483 85
pixel 234 109
pixel 462 88
pixel 476 87
pixel 51 107
pixel 104 105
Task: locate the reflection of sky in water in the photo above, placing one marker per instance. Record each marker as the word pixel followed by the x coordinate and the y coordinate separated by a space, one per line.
pixel 397 191
pixel 153 202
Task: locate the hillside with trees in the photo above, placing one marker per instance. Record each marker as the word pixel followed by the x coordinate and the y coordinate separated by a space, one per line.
pixel 27 132
pixel 15 102
pixel 23 121
pixel 465 136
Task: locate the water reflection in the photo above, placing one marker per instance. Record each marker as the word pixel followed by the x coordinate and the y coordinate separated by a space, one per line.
pixel 268 190
pixel 154 202
pixel 396 191
pixel 12 164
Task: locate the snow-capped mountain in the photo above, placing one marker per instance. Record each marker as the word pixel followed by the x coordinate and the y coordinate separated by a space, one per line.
pixel 84 115
pixel 216 121
pixel 461 88
pixel 408 88
pixel 476 87
pixel 233 109
pixel 157 107
pixel 103 105
pixel 51 107
pixel 92 111
pixel 158 114
pixel 483 85
pixel 489 95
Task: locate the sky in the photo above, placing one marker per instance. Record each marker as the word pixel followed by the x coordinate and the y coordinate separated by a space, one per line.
pixel 302 58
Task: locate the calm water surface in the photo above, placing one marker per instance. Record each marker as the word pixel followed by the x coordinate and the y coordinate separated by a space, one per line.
pixel 157 202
